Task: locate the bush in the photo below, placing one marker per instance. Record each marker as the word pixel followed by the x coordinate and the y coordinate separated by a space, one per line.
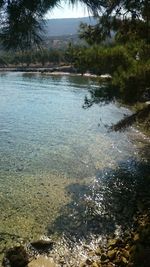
pixel 134 84
pixel 101 60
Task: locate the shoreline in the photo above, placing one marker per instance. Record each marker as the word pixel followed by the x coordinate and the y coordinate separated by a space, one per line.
pixel 62 71
pixel 127 250
pixel 117 251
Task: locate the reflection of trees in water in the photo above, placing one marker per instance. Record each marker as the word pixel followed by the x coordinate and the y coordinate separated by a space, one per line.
pixel 106 94
pixel 41 78
pixel 111 203
pixel 3 74
pixel 102 95
pixel 80 81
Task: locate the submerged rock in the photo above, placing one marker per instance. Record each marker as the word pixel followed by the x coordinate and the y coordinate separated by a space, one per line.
pixel 42 244
pixel 16 257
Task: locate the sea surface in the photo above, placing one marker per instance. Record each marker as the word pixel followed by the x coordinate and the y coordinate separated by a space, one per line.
pixel 59 164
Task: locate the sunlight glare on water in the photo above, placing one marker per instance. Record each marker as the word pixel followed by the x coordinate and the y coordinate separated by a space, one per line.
pixel 49 144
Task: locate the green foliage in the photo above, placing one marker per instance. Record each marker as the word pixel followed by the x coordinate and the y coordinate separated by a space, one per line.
pixel 3 62
pixel 38 57
pixel 91 34
pixel 71 53
pixel 101 60
pixel 20 27
pixel 21 21
pixel 134 84
pixel 129 20
pixel 128 65
pixel 126 59
pixel 115 58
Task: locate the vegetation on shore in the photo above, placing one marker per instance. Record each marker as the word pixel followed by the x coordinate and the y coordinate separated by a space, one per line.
pixel 38 58
pixel 119 44
pixel 126 56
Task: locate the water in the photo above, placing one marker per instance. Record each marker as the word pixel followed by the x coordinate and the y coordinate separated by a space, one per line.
pixel 56 155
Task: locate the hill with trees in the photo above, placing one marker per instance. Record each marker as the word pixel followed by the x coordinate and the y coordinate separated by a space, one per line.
pixel 66 26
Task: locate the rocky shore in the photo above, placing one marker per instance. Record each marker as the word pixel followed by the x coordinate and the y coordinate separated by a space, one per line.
pixel 127 244
pixel 65 69
pixel 122 199
pixel 132 249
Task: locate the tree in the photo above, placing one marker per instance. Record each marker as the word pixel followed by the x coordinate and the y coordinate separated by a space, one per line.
pixel 22 20
pixel 126 18
pixel 22 25
pixel 130 70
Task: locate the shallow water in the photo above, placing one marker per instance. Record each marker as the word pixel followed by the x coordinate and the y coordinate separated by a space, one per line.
pixel 52 150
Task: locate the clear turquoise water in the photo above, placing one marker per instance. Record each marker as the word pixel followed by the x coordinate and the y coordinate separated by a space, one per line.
pixel 49 144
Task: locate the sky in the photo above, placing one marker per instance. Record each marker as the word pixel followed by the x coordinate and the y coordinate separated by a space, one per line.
pixel 66 11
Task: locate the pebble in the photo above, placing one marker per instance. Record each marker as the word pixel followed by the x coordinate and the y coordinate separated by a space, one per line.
pixel 136 237
pixel 103 257
pixel 111 254
pixel 98 251
pixel 94 264
pixel 88 262
pixel 125 253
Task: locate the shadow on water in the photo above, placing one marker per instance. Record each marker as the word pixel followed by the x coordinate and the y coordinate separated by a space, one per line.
pixel 109 205
pixel 101 95
pixel 41 78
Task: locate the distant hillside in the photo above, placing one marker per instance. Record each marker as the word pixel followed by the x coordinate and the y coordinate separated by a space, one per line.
pixel 61 27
